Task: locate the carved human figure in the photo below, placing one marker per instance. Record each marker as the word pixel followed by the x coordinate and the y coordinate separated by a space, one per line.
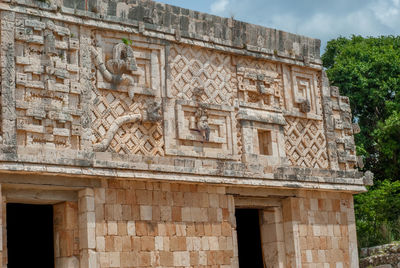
pixel 202 122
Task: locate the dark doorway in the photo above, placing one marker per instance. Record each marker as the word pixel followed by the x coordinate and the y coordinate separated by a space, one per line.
pixel 249 239
pixel 30 236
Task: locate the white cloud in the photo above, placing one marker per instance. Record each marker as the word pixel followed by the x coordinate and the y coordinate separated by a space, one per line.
pixel 387 12
pixel 324 20
pixel 219 6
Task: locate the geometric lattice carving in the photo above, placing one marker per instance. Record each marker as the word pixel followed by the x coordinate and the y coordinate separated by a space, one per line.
pixel 126 98
pixel 305 143
pixel 131 138
pixel 192 68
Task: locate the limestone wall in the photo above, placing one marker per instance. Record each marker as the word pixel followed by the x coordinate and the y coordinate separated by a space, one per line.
pixel 125 223
pixel 147 125
pixel 153 224
pixel 101 86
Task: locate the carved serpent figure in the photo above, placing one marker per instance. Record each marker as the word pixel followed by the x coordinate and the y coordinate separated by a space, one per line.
pixel 118 72
pixel 152 115
pixel 118 68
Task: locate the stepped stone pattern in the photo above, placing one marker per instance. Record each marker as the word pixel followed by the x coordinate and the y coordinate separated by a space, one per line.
pixel 147 125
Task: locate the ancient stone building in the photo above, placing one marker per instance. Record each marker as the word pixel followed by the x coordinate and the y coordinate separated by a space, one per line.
pixel 137 134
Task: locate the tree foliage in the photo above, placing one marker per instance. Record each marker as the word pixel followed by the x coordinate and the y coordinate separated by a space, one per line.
pixel 377 214
pixel 367 70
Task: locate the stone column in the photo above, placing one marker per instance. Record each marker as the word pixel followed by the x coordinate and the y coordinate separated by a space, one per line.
pixel 272 237
pixel 351 221
pixel 3 254
pixel 7 65
pixel 87 229
pixel 291 218
pixel 66 245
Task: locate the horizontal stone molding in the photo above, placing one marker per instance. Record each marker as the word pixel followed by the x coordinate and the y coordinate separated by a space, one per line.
pixel 278 45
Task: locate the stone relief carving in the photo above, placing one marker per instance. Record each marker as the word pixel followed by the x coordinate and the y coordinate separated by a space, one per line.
pixel 305 143
pixel 344 131
pixel 192 68
pixel 153 112
pixel 152 115
pixel 200 116
pixel 119 69
pixel 48 102
pixel 302 92
pixel 116 124
pixel 127 108
pixel 259 85
pixel 305 106
pixel 202 122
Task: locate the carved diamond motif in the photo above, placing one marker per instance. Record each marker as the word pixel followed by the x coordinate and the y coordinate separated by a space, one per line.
pixel 195 68
pixel 133 138
pixel 305 143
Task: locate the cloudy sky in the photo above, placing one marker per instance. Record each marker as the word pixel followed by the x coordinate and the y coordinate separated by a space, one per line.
pixel 323 19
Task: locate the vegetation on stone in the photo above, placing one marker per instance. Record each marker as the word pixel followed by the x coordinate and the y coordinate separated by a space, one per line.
pixel 367 70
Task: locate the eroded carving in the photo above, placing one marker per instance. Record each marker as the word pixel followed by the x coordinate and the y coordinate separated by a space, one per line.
pixel 303 92
pixel 49 93
pixel 153 112
pixel 119 69
pixel 202 122
pixel 259 86
pixel 305 106
pixel 127 108
pixel 117 123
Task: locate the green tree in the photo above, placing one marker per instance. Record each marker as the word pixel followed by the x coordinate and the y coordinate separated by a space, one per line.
pixel 377 214
pixel 367 70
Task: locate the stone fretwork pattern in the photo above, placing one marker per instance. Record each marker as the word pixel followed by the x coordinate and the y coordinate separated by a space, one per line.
pixel 202 90
pixel 305 143
pixel 48 93
pixel 192 68
pixel 146 126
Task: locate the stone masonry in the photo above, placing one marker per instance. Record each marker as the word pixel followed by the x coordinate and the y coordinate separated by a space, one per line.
pixel 385 256
pixel 147 125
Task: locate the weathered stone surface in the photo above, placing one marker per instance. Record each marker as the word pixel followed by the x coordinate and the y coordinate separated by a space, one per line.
pixel 381 256
pixel 150 124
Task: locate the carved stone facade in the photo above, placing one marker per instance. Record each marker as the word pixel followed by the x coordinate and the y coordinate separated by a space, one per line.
pixel 146 135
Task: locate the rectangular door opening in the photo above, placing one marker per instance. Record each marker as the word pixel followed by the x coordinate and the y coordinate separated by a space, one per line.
pixel 30 240
pixel 249 238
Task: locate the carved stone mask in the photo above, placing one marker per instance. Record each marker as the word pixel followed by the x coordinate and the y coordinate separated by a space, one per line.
pixel 123 59
pixel 305 106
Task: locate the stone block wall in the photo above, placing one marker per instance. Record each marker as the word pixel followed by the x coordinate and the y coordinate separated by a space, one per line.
pixel 142 224
pixel 327 232
pixel 127 224
pixel 146 125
